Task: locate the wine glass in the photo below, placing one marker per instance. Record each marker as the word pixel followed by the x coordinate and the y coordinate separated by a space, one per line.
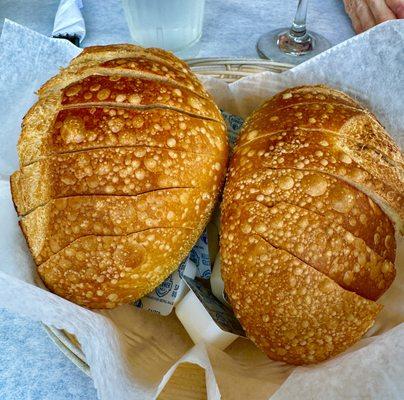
pixel 295 44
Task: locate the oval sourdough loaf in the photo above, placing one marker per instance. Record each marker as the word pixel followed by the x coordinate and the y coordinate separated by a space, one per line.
pixel 121 162
pixel 312 212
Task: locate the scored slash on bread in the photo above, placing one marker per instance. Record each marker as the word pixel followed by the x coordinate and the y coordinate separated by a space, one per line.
pixel 52 227
pixel 153 61
pixel 84 128
pixel 129 92
pixel 323 194
pixel 136 67
pixel 121 162
pixel 353 124
pixel 305 95
pixel 338 150
pixel 135 95
pixel 290 310
pixel 97 54
pixel 328 153
pixel 112 171
pixel 111 270
pixel 319 242
pixel 311 208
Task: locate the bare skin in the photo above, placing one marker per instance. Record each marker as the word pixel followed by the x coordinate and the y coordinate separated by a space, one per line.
pixel 365 14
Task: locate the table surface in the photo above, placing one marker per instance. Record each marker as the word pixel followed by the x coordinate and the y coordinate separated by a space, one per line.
pixel 31 366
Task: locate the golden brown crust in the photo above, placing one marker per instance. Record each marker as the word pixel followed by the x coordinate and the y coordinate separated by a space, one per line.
pixel 304 246
pixel 106 271
pixel 338 151
pixel 110 52
pixel 335 155
pixel 291 311
pixel 95 127
pixel 304 95
pixel 130 66
pixel 130 94
pixel 356 125
pixel 121 162
pixel 113 171
pixel 166 70
pixel 127 91
pixel 122 94
pixel 322 194
pixel 318 242
pixel 52 227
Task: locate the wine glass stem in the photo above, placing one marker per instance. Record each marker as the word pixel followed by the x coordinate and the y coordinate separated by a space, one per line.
pixel 298 28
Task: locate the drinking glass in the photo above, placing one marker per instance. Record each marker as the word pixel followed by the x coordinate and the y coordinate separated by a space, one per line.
pixel 295 44
pixel 169 24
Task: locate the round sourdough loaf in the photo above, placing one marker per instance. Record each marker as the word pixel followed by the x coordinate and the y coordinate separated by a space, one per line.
pixel 121 162
pixel 311 210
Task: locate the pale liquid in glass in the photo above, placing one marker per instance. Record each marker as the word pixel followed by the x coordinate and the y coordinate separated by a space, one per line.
pixel 170 24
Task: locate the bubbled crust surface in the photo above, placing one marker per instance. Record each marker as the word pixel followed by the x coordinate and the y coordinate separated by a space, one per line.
pixel 323 152
pixel 84 128
pixel 110 52
pixel 104 271
pixel 136 92
pixel 130 66
pixel 121 162
pixel 291 311
pixel 356 124
pixel 112 171
pixel 52 227
pixel 318 242
pixel 120 94
pixel 306 243
pixel 323 194
pixel 95 56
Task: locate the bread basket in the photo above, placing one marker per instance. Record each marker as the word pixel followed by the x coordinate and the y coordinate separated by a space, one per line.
pixel 193 387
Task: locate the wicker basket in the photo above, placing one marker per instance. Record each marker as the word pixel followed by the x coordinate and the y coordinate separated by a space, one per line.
pixel 188 381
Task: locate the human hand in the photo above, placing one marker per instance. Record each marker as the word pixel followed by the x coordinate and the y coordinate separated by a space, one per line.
pixel 365 14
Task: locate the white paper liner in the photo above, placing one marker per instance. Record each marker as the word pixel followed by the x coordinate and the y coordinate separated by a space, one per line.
pixel 129 356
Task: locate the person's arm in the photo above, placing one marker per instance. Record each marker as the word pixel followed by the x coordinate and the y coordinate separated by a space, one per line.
pixel 367 13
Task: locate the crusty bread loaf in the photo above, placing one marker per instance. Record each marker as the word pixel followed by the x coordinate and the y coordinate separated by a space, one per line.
pixel 121 162
pixel 312 207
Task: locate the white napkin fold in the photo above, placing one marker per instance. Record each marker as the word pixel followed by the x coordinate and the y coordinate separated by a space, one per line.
pixel 69 20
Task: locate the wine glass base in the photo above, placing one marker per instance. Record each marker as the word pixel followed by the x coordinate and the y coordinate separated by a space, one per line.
pixel 268 47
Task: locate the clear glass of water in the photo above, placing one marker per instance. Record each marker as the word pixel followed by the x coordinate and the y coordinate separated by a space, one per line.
pixel 169 24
